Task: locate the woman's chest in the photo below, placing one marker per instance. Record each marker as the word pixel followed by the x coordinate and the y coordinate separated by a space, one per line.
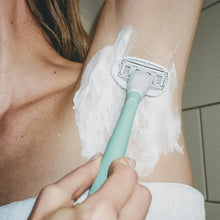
pixel 24 174
pixel 36 151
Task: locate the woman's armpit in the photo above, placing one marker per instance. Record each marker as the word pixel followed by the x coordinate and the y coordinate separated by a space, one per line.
pixel 163 33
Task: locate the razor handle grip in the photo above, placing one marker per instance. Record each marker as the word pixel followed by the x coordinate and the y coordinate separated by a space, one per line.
pixel 118 142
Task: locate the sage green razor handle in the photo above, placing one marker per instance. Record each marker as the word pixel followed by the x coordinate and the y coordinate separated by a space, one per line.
pixel 119 140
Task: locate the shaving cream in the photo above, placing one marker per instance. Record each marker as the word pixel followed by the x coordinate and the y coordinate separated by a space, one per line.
pixel 99 102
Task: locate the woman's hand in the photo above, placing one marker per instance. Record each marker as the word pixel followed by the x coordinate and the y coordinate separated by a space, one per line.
pixel 120 197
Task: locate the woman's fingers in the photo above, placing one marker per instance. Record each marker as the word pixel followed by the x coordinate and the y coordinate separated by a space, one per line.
pixel 120 197
pixel 62 193
pixel 78 181
pixel 62 214
pixel 120 184
pixel 115 192
pixel 135 208
pixel 138 204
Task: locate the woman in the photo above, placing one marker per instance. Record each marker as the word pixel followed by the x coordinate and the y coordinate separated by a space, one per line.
pixel 43 46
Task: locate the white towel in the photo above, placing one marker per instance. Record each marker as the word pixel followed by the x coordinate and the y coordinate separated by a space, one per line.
pixel 174 201
pixel 170 201
pixel 17 210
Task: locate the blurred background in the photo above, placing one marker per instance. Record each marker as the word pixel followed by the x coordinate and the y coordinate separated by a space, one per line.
pixel 201 100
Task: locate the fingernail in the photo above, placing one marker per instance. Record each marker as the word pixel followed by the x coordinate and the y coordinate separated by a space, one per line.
pixel 131 162
pixel 96 156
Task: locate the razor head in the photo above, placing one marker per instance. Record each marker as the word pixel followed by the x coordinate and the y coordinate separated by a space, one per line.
pixel 121 72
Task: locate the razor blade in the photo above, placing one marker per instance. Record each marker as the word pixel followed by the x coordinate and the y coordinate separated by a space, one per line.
pixel 122 69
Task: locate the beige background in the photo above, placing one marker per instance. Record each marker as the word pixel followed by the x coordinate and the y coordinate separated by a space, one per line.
pixel 201 100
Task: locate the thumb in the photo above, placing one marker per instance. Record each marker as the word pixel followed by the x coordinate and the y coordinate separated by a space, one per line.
pixel 70 187
pixel 79 180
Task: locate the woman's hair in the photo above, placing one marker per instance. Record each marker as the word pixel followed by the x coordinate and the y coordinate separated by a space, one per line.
pixel 60 20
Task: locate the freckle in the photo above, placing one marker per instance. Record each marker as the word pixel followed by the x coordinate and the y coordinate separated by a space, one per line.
pixel 55 72
pixel 22 136
pixel 11 22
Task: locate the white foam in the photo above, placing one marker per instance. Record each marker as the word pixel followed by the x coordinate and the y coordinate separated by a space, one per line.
pixel 99 101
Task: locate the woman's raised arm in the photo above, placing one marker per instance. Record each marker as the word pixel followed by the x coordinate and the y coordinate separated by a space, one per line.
pixel 163 32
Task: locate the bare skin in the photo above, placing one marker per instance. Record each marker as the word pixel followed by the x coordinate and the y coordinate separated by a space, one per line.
pixel 37 86
pixel 39 141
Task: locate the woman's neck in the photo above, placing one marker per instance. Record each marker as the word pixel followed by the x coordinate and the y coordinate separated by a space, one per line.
pixel 30 68
pixel 19 34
